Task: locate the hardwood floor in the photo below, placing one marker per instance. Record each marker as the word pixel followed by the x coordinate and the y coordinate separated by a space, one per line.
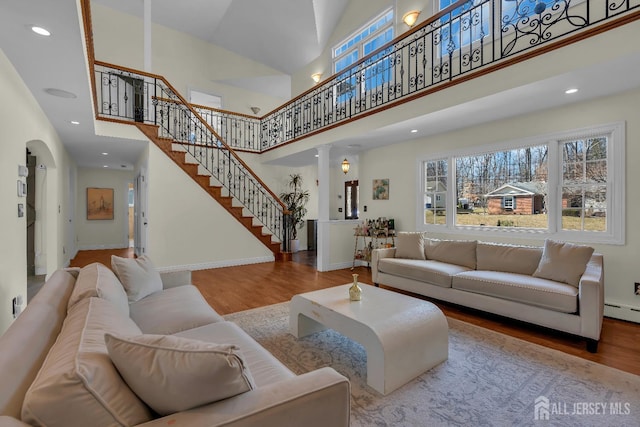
pixel 232 289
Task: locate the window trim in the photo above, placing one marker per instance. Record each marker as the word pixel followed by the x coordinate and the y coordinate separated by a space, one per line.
pixel 616 187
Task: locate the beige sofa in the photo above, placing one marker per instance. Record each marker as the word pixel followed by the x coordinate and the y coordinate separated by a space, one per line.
pixel 56 369
pixel 559 286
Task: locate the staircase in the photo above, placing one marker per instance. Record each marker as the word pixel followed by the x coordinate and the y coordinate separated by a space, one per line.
pixel 176 152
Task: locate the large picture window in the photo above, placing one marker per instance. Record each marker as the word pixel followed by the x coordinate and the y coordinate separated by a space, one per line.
pixel 568 185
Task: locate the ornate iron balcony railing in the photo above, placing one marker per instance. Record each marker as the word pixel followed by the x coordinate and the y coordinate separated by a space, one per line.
pixel 466 37
pixel 133 96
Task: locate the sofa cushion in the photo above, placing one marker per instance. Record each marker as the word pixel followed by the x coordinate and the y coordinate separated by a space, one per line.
pixel 173 310
pixel 263 365
pixel 521 288
pixel 77 384
pixel 173 374
pixel 508 258
pixel 138 276
pixel 409 245
pixel 459 252
pixel 563 262
pixel 97 280
pixel 434 272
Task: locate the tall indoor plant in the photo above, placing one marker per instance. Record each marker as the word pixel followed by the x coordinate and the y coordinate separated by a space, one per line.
pixel 296 201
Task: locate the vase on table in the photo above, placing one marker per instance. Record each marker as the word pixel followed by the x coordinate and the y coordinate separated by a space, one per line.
pixel 355 292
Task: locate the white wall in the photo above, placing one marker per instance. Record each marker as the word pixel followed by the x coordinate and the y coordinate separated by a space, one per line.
pixel 105 233
pixel 23 123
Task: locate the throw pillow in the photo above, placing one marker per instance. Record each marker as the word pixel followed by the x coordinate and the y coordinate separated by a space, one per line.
pixel 563 262
pixel 138 276
pixel 458 252
pixel 172 374
pixel 409 245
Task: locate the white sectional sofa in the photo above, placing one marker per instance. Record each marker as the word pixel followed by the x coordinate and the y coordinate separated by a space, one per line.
pixel 168 359
pixel 559 286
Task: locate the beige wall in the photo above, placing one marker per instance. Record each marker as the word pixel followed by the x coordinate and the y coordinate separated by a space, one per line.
pixel 620 260
pixel 185 61
pixel 103 234
pixel 22 124
pixel 189 228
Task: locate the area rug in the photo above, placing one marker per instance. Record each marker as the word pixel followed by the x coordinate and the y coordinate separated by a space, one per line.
pixel 490 379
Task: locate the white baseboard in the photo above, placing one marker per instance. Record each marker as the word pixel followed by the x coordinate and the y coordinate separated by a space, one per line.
pixel 216 264
pixel 97 247
pixel 622 311
pixel 347 264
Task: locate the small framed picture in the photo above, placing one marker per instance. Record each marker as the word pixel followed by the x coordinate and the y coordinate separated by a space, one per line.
pixel 381 189
pixel 99 203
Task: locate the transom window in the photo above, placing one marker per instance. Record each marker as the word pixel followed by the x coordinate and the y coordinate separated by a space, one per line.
pixel 360 44
pixel 568 185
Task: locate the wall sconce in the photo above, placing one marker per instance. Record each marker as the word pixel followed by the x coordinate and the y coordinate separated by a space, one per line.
pixel 255 110
pixel 345 166
pixel 411 17
pixel 316 77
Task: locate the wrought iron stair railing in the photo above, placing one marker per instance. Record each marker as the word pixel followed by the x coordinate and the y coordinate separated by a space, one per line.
pixel 133 96
pixel 469 37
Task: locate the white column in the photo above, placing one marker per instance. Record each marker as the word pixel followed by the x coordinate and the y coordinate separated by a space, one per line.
pixel 147 36
pixel 324 184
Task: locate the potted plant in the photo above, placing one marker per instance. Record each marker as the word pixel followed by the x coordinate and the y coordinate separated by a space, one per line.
pixel 296 201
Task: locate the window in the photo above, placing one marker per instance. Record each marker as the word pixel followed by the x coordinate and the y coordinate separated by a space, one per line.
pixel 435 191
pixel 470 23
pixel 584 184
pixel 567 186
pixel 372 36
pixel 501 183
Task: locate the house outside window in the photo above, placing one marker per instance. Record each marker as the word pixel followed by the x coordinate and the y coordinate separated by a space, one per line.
pixel 568 185
pixel 367 39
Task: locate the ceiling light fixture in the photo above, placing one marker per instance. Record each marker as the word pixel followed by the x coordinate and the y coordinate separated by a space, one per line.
pixel 74 122
pixel 60 93
pixel 255 110
pixel 345 166
pixel 105 154
pixel 316 77
pixel 105 166
pixel 40 31
pixel 414 130
pixel 410 17
pixel 570 91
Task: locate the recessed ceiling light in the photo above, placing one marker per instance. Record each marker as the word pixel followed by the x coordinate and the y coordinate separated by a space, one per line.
pixel 570 91
pixel 75 122
pixel 60 93
pixel 105 166
pixel 41 31
pixel 317 155
pixel 414 130
pixel 105 154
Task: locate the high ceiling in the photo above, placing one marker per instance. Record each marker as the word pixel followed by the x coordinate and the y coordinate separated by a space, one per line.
pixel 284 34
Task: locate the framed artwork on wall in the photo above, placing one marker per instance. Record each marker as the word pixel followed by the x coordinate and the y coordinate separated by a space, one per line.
pixel 99 203
pixel 381 189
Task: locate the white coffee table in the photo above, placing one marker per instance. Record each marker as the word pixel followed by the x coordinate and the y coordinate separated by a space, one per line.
pixel 403 336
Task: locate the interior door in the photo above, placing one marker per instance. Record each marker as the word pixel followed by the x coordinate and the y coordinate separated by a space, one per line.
pixel 140 214
pixel 351 199
pixel 31 215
